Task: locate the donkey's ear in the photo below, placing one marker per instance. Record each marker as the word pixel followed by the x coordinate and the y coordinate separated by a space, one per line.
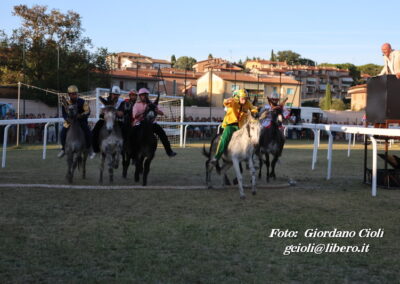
pixel 250 116
pixel 157 99
pixel 283 102
pixel 255 100
pixel 263 115
pixel 103 101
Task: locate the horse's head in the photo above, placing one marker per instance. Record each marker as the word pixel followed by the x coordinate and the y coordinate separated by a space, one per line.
pixel 253 128
pixel 71 109
pixel 109 112
pixel 277 112
pixel 151 110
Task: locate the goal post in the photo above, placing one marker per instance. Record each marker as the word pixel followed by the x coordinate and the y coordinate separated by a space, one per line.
pixel 171 106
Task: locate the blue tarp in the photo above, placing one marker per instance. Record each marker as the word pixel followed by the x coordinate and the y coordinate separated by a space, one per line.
pixel 5 108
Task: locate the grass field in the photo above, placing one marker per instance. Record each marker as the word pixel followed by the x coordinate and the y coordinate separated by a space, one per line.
pixel 194 236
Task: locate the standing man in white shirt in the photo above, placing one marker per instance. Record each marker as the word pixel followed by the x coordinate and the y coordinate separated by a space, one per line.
pixel 391 61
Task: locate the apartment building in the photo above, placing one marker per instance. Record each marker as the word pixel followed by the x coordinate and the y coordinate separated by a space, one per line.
pixel 218 86
pixel 133 61
pixel 314 79
pixel 216 64
pixel 168 81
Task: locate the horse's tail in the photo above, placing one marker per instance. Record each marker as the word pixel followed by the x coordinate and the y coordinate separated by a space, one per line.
pixel 205 153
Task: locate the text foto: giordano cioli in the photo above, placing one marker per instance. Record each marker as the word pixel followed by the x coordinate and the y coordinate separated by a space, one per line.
pixel 334 233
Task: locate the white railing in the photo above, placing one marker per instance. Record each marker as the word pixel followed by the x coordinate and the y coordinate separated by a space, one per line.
pixel 316 128
pixel 353 130
pixel 47 121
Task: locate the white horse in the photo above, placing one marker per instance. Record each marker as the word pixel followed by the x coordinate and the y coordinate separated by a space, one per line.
pixel 241 148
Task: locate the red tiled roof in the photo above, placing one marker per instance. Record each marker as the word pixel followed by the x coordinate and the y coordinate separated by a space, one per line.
pixel 160 61
pixel 131 54
pixel 363 75
pixel 132 74
pixel 219 60
pixel 358 86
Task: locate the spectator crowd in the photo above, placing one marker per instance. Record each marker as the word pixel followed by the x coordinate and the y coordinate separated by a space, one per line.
pixel 33 133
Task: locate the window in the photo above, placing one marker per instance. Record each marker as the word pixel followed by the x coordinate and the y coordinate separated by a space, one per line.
pixel 235 87
pixel 290 91
pixel 121 85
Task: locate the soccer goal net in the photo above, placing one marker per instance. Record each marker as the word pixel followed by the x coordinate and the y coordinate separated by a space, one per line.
pixel 171 106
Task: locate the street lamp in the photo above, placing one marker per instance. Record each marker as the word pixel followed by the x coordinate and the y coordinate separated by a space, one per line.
pixel 210 86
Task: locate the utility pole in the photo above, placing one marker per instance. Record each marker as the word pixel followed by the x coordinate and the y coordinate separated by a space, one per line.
pixel 58 80
pixel 24 70
pixel 18 111
pixel 210 88
pixel 185 84
pixel 137 74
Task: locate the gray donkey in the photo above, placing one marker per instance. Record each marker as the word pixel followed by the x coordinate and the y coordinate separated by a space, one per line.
pixel 110 140
pixel 75 144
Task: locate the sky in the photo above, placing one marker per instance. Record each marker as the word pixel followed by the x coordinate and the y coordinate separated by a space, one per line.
pixel 324 31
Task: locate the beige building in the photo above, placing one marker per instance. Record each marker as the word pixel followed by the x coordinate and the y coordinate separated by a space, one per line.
pixel 220 85
pixel 358 95
pixel 133 61
pixel 314 79
pixel 264 64
pixel 168 81
pixel 216 64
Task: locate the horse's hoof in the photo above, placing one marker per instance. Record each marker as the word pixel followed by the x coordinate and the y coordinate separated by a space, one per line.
pixel 243 197
pixel 210 187
pixel 254 192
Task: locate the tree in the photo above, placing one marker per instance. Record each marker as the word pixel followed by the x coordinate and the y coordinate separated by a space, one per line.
pixel 47 38
pixel 370 69
pixel 338 104
pixel 273 56
pixel 210 56
pixel 326 104
pixel 185 63
pixel 173 60
pixel 306 61
pixel 291 58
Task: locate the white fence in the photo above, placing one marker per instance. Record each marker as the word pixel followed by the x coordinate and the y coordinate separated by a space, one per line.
pixel 316 128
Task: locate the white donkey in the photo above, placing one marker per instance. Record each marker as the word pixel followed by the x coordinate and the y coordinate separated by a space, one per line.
pixel 241 148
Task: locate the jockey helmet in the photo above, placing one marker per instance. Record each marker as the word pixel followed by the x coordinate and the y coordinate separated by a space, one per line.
pixel 242 93
pixel 274 96
pixel 143 91
pixel 72 89
pixel 115 90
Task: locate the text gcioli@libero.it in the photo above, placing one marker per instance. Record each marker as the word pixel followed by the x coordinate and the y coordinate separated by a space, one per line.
pixel 330 247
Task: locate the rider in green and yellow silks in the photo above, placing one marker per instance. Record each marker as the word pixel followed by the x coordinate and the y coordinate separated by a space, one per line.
pixel 236 115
